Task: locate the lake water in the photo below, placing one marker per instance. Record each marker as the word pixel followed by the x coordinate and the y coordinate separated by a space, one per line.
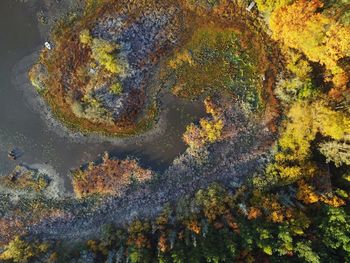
pixel 22 127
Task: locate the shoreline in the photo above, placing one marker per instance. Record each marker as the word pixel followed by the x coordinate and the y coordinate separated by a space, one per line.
pixel 20 79
pixel 21 82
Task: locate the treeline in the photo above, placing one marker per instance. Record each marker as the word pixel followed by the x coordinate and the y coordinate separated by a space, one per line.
pixel 247 226
pixel 216 225
pixel 315 39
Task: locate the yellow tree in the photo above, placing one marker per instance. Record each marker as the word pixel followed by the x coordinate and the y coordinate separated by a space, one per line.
pixel 299 132
pixel 329 122
pixel 270 5
pixel 21 251
pixel 304 121
pixel 321 39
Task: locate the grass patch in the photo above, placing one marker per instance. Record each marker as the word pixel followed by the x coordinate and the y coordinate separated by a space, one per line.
pixel 214 62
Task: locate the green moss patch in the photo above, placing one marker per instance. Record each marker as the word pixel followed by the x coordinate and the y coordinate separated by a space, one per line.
pixel 213 62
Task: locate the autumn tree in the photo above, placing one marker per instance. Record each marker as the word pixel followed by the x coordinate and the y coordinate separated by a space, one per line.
pixel 139 242
pixel 332 123
pixel 109 177
pixel 270 5
pixel 337 152
pixel 298 64
pixel 301 26
pixel 298 134
pixel 210 129
pixel 290 90
pixel 20 251
pixel 214 202
pixel 304 121
pixel 299 85
pixel 102 51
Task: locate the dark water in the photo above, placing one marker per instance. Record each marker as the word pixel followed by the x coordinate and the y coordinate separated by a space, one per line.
pixel 22 127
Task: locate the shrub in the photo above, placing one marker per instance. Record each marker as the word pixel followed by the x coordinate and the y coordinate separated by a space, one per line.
pixel 116 88
pixel 85 37
pixel 102 52
pixel 109 177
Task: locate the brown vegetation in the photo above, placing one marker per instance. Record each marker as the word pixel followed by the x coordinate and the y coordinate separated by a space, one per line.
pixel 66 78
pixel 109 177
pixel 254 46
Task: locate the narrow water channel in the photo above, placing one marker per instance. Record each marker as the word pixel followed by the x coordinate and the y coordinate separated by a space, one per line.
pixel 22 127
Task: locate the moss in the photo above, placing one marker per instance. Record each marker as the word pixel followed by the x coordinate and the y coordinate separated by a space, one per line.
pixel 214 62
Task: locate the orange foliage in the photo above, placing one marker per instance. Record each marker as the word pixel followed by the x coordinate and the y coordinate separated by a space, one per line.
pixel 194 226
pixel 307 194
pixel 141 241
pixel 299 17
pixel 163 243
pixel 231 222
pixel 254 213
pixel 109 177
pixel 340 80
pixel 138 235
pixel 334 201
pixel 277 213
pixel 276 217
